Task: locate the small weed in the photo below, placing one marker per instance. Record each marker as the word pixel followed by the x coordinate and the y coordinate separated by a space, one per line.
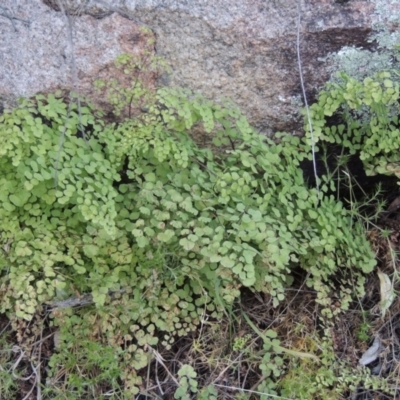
pixel 364 329
pixel 8 383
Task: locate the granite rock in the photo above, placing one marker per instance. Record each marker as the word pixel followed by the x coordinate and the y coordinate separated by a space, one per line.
pixel 243 49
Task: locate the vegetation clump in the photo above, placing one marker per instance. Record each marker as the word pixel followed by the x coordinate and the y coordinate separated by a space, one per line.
pixel 161 235
pixel 157 229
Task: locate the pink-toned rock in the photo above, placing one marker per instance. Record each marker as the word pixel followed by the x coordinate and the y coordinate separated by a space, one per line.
pixel 244 49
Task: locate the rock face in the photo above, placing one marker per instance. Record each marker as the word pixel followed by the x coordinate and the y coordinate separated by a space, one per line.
pixel 244 49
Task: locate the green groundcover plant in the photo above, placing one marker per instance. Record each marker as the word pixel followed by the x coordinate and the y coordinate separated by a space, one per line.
pixel 156 228
pixel 368 112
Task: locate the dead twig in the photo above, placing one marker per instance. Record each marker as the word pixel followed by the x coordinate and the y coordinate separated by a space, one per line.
pixel 161 361
pixel 78 300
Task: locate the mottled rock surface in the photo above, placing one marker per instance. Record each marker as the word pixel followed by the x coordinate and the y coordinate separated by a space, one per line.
pixel 244 49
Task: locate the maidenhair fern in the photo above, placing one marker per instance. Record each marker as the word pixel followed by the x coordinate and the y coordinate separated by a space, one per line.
pixel 370 123
pixel 156 228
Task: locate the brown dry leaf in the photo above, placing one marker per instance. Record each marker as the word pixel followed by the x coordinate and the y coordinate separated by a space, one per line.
pixel 387 292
